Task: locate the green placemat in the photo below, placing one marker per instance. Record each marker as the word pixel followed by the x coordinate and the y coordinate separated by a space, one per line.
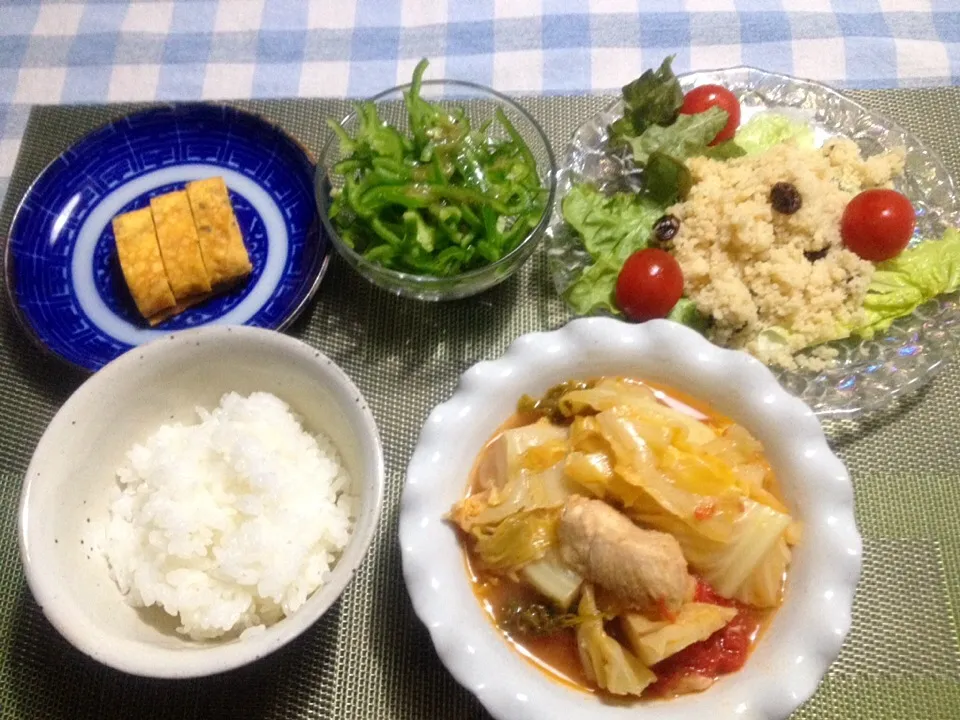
pixel 369 657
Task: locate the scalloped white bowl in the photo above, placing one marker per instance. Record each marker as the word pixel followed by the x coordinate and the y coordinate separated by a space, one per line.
pixel 806 633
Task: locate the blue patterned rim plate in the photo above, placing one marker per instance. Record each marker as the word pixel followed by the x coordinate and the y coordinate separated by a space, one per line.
pixel 63 276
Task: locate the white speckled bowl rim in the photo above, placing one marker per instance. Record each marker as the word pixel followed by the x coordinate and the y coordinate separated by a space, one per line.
pixel 191 660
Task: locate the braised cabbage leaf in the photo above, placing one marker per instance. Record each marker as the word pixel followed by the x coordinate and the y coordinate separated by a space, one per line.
pixel 694 622
pixel 605 661
pixel 517 540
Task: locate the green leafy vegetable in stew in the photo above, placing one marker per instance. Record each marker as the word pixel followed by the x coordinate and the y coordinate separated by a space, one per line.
pixel 442 199
pixel 539 619
pixel 548 406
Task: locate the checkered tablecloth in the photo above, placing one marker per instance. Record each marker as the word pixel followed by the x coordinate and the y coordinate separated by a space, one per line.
pixel 94 51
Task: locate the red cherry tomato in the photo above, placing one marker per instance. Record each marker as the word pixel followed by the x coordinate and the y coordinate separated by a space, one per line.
pixel 702 98
pixel 877 224
pixel 649 285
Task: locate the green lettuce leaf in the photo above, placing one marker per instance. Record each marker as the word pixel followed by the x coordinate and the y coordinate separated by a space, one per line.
pixel 773 340
pixel 594 289
pixel 658 136
pixel 762 132
pixel 666 179
pixel 776 339
pixel 685 312
pixel 654 98
pixel 612 226
pixel 689 135
pixel 661 150
pixel 916 275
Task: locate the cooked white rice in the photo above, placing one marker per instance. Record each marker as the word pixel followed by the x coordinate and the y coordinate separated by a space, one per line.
pixel 230 524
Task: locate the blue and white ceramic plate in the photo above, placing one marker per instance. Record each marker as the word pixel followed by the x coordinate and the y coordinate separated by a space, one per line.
pixel 62 272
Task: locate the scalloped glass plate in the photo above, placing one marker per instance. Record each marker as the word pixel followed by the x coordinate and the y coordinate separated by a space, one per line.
pixel 869 375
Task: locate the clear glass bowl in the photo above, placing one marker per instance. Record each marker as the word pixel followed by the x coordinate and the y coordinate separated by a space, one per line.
pixel 869 374
pixel 481 103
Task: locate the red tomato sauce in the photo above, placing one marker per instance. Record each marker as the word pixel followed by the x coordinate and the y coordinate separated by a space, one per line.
pixel 722 653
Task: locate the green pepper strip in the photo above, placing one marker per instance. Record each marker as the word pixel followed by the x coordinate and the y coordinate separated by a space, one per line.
pixel 383 231
pixel 347 144
pixel 382 254
pixel 415 104
pixel 418 196
pixel 471 168
pixel 438 175
pixel 517 137
pixel 345 167
pixel 471 217
pixel 351 193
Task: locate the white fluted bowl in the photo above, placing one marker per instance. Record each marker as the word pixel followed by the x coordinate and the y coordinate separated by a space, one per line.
pixel 804 636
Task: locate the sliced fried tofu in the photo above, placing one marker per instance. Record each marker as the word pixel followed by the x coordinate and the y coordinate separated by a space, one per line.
pixel 221 243
pixel 141 262
pixel 179 245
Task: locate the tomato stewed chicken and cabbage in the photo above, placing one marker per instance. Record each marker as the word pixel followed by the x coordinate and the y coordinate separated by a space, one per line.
pixel 626 539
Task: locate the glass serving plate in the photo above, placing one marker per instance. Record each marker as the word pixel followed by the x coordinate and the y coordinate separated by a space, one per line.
pixel 869 374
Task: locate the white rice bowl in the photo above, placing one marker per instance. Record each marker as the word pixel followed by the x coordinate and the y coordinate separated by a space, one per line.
pixel 230 524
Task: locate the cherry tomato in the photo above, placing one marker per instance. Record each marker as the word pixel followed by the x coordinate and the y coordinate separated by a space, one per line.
pixel 702 98
pixel 649 285
pixel 877 224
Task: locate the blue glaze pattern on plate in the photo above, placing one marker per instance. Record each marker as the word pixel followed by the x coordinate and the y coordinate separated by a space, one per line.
pixel 62 270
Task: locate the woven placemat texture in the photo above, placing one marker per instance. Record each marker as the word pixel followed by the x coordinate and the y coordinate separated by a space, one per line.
pixel 369 657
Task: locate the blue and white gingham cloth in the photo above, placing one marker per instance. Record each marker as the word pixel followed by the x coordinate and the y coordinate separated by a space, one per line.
pixel 95 51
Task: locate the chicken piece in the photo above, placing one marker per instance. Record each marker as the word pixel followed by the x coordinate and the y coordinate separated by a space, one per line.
pixel 640 569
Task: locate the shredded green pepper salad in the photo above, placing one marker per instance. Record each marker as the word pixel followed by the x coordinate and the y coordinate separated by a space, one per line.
pixel 657 139
pixel 444 198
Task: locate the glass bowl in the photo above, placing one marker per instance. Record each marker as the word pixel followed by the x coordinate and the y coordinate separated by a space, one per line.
pixel 481 103
pixel 869 374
